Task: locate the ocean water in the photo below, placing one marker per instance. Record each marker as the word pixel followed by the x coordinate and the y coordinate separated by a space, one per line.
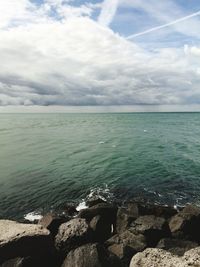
pixel 47 160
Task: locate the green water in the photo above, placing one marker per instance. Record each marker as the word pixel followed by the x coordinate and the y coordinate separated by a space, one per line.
pixel 50 159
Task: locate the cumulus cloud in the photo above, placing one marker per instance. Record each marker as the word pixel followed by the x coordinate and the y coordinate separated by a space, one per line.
pixel 77 61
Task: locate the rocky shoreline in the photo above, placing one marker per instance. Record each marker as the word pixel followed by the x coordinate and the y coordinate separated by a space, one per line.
pixel 134 234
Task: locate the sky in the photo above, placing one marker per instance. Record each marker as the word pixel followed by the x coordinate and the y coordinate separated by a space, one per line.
pixel 98 54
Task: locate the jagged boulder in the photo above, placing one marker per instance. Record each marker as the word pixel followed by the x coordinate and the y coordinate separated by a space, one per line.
pixel 161 258
pixel 93 202
pixel 84 256
pixel 186 223
pixel 152 227
pixel 19 240
pixel 105 210
pixel 125 245
pixel 125 216
pixel 52 222
pixel 72 234
pixel 157 210
pixel 176 246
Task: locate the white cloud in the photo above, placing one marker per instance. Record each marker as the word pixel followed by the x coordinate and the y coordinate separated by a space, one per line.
pixel 76 61
pixel 109 8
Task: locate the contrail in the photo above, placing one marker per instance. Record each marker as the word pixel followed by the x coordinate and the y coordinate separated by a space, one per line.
pixel 109 8
pixel 164 25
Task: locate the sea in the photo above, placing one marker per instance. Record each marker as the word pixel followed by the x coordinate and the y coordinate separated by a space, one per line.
pixel 50 160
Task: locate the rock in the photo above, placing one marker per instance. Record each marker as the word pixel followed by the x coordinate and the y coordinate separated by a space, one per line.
pixel 192 257
pixel 105 210
pixel 36 261
pixel 101 228
pixel 19 240
pixel 155 257
pixel 161 258
pixel 91 255
pixel 125 216
pixel 17 262
pixel 52 222
pixel 186 223
pixel 152 227
pixel 72 234
pixel 125 245
pixel 93 202
pixel 84 256
pixel 157 210
pixel 70 210
pixel 133 209
pixel 176 246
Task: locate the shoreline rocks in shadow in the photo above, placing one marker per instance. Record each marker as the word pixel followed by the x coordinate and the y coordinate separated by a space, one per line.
pixel 105 235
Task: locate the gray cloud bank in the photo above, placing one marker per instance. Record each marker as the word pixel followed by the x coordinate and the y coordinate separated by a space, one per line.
pixel 76 61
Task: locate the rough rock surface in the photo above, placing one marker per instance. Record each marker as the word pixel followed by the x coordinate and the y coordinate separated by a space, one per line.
pixel 103 209
pixel 72 234
pixel 17 239
pixel 125 216
pixel 93 202
pixel 125 245
pixel 176 246
pixel 157 210
pixel 84 256
pixel 52 222
pixel 153 257
pixel 186 223
pixel 152 227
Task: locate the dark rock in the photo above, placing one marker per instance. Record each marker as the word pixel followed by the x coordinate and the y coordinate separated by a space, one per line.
pixel 90 255
pixel 93 202
pixel 133 209
pixel 84 256
pixel 186 223
pixel 152 227
pixel 19 240
pixel 37 261
pixel 176 246
pixel 157 210
pixel 125 216
pixel 101 227
pixel 103 209
pixel 114 261
pixel 52 222
pixel 70 210
pixel 17 262
pixel 125 245
pixel 72 234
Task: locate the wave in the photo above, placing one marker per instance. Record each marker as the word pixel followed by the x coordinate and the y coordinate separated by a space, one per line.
pixel 103 193
pixel 33 216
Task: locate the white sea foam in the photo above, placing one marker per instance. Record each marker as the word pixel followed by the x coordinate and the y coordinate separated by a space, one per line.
pixel 95 193
pixel 81 206
pixel 33 216
pixel 101 142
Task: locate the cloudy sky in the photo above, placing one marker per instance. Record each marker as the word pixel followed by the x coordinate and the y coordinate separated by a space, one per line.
pixel 98 53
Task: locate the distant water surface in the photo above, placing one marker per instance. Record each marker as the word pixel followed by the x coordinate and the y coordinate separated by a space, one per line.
pixel 50 159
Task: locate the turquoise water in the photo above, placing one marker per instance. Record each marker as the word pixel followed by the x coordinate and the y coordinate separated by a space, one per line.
pixel 47 160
